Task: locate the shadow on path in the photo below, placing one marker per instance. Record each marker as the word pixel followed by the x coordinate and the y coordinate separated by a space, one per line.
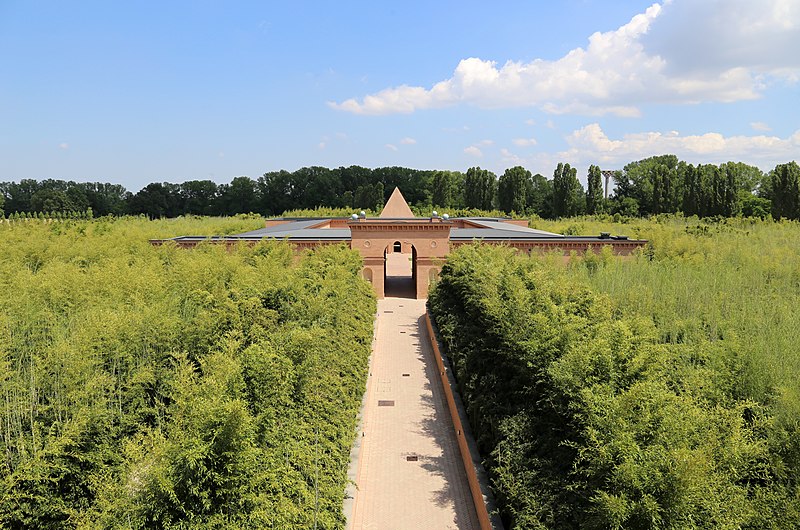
pixel 438 427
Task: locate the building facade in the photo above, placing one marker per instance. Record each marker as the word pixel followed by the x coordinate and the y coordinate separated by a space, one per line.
pixel 426 241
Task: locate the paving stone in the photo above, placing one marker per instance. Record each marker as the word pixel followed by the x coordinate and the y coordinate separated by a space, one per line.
pixel 393 492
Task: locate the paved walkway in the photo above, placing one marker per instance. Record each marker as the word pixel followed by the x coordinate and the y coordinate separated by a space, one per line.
pixel 409 472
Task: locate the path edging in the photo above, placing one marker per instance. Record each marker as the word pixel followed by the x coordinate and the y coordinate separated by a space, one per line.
pixel 471 462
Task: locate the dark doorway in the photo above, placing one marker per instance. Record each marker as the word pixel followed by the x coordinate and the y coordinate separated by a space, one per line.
pixel 399 272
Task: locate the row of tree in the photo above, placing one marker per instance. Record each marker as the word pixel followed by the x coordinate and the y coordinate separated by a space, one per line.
pixel 660 184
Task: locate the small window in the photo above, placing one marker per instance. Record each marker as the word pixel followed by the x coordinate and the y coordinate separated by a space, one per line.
pixel 397 246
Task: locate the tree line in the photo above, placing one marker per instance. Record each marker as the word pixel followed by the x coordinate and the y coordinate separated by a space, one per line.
pixel 659 184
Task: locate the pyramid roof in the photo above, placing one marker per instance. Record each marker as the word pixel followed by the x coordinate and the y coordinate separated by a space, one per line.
pixel 396 207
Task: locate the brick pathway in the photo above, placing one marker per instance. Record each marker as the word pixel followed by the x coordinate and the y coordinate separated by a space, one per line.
pixel 409 473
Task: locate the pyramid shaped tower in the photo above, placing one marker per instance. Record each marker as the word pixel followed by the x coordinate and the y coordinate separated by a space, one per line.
pixel 396 207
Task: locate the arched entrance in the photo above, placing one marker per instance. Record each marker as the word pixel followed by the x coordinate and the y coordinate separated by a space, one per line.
pixel 400 270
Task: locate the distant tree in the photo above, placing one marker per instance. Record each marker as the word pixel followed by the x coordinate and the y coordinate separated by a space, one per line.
pixel 199 197
pixel 352 177
pixel 447 189
pixel 753 205
pixel 415 184
pixel 512 189
pixel 19 194
pixel 316 186
pixel 347 199
pixel 539 196
pixel 104 198
pixel 654 184
pixel 710 190
pixel 729 201
pixel 568 197
pixel 369 196
pixel 785 191
pixel 692 190
pixel 240 196
pixel 746 177
pixel 594 191
pixel 480 187
pixel 275 190
pixel 157 200
pixel 49 199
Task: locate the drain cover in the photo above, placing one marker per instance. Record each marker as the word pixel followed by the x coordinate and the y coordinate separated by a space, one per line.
pixel 406 375
pixel 412 458
pixel 386 403
pixel 388 311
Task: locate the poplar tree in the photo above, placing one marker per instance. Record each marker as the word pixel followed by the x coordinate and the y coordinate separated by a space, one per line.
pixel 480 186
pixel 785 191
pixel 567 191
pixel 512 189
pixel 594 191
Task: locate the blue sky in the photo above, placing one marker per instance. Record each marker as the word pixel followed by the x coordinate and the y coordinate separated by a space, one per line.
pixel 138 92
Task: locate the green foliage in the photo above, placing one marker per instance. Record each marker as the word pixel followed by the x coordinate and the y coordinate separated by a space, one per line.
pixel 480 188
pixel 784 191
pixel 653 392
pixel 513 188
pixel 447 189
pixel 652 186
pixel 594 191
pixel 568 199
pixel 154 387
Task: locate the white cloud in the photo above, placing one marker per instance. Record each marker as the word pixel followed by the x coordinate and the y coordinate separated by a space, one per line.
pixel 473 151
pixel 322 145
pixel 486 142
pixel 591 145
pixel 760 126
pixel 408 141
pixel 530 122
pixel 525 142
pixel 684 51
pixel 63 145
pixel 391 147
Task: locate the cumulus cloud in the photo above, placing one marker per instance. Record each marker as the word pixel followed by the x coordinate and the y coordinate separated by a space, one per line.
pixel 391 147
pixel 591 144
pixel 408 141
pixel 682 51
pixel 525 142
pixel 63 145
pixel 473 151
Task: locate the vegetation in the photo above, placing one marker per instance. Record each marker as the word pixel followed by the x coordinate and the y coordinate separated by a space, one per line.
pixel 655 185
pixel 654 392
pixel 153 387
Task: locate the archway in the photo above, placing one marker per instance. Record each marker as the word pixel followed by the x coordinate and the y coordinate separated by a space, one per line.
pixel 400 270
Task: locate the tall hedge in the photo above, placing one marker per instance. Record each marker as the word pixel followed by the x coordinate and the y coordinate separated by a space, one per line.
pixel 587 419
pixel 145 387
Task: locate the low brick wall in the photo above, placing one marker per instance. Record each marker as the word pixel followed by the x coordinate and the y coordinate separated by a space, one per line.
pixel 463 446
